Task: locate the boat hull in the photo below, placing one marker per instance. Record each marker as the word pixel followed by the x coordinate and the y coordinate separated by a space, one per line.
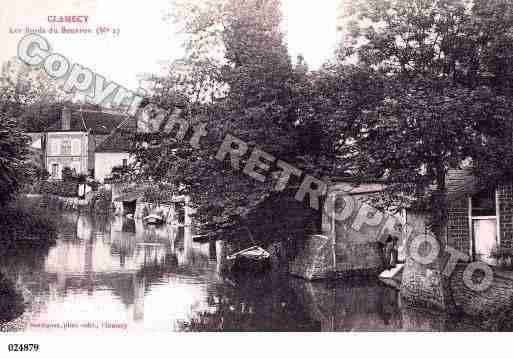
pixel 152 219
pixel 243 264
pixel 253 259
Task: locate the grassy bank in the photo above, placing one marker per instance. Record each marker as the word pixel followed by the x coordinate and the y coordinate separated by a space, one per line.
pixel 24 222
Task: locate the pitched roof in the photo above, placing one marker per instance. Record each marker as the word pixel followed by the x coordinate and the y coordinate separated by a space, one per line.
pixel 458 183
pixel 97 122
pixel 119 141
pixel 353 188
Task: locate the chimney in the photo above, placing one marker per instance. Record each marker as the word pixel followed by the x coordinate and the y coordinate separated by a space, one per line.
pixel 66 118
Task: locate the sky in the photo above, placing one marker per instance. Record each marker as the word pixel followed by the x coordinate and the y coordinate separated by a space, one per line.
pixel 146 40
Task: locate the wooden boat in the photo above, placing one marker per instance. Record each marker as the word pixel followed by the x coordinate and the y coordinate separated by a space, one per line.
pixel 153 218
pixel 393 276
pixel 201 238
pixel 253 259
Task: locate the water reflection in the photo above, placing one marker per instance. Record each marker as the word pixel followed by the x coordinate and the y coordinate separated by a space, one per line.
pixel 118 274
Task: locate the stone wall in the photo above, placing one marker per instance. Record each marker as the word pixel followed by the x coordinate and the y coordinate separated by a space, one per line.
pixel 347 246
pixel 320 258
pixel 495 300
pixel 358 258
pixel 425 287
pixel 458 231
pixel 315 260
pixel 505 194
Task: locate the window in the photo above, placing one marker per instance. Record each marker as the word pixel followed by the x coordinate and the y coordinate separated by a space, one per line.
pixel 483 204
pixel 55 170
pixel 66 147
pixel 485 234
pixel 125 162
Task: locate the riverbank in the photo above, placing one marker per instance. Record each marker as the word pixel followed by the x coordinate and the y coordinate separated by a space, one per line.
pixel 25 230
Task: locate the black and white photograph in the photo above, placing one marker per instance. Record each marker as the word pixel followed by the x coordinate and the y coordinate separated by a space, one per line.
pixel 256 167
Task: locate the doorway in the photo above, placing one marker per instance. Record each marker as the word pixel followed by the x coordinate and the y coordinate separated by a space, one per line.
pixel 485 238
pixel 484 226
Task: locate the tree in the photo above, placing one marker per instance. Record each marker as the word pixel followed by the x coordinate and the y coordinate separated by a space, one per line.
pixel 23 94
pixel 443 100
pixel 330 103
pixel 250 84
pixel 13 143
pixel 29 95
pixel 13 152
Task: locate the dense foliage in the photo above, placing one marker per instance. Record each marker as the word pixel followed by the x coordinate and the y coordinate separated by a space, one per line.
pixel 255 95
pixel 13 154
pixel 447 98
pixel 19 95
pixel 418 87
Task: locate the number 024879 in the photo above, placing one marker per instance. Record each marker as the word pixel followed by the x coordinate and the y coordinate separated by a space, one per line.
pixel 23 347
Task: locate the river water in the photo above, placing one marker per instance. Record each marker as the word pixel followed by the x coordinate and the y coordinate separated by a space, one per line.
pixel 120 275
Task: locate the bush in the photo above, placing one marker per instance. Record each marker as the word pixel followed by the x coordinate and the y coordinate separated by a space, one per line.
pixel 93 184
pixel 161 193
pixel 13 154
pixel 119 174
pixel 63 189
pixel 69 175
pixel 101 202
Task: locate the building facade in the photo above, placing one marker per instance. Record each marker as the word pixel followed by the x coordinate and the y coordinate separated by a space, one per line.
pixel 67 149
pixel 480 221
pixel 112 152
pixel 73 139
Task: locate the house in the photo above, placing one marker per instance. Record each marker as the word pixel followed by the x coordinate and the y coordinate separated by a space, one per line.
pixel 72 139
pixel 112 152
pixel 480 220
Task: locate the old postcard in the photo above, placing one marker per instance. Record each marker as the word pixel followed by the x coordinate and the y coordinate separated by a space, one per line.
pixel 245 166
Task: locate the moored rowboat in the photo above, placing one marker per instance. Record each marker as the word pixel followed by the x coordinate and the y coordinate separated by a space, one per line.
pixel 153 218
pixel 253 259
